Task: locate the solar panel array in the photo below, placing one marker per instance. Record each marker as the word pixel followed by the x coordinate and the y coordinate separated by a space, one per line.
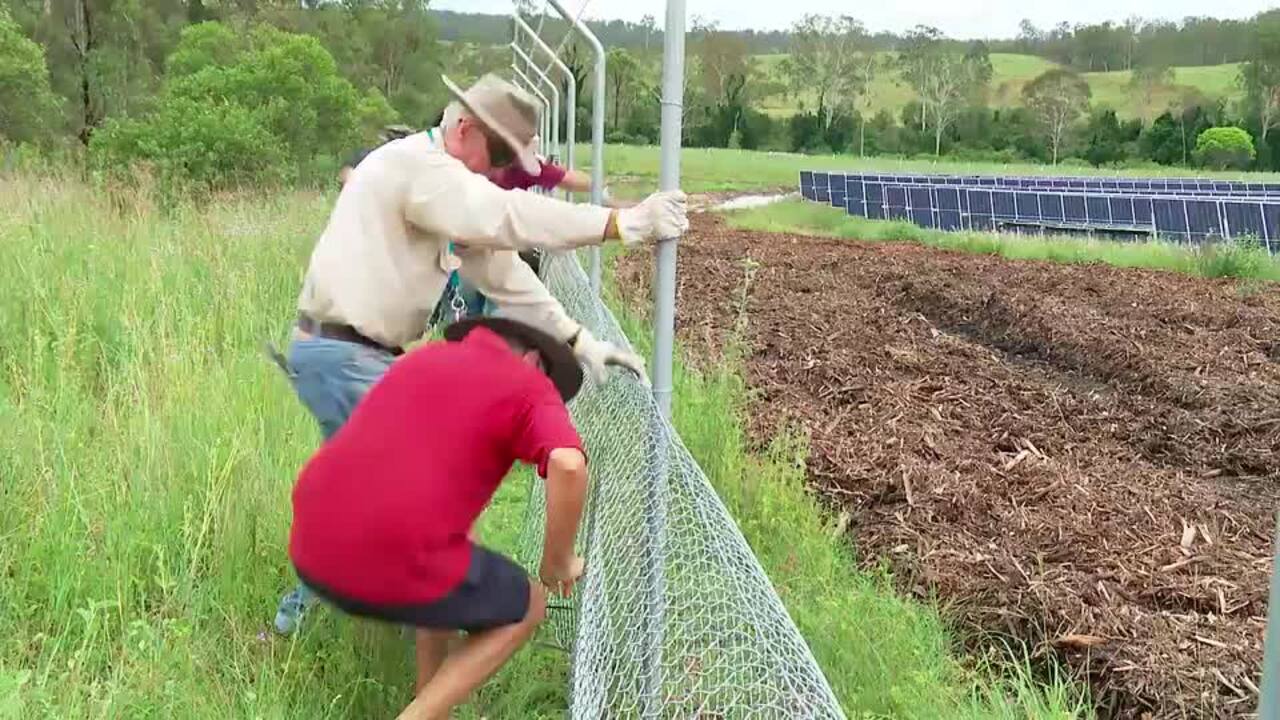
pixel 1184 210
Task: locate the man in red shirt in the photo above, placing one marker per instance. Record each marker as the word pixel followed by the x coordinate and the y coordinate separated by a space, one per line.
pixel 383 512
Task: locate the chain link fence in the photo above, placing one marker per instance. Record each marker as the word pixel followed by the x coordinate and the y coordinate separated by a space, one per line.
pixel 675 618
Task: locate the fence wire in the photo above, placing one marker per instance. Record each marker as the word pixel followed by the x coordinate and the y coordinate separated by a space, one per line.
pixel 675 618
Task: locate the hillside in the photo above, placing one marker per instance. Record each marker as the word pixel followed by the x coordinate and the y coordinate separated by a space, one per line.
pixel 1012 72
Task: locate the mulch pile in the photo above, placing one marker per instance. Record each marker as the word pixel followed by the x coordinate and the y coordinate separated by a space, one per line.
pixel 1083 457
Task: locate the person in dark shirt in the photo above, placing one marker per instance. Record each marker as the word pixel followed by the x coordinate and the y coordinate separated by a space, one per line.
pixel 383 512
pixel 389 133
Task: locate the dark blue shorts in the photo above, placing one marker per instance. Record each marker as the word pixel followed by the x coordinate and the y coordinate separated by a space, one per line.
pixel 494 593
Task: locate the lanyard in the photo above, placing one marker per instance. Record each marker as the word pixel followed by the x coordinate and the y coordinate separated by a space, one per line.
pixel 456 303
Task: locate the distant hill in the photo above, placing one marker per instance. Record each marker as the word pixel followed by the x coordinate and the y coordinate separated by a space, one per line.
pixel 1013 71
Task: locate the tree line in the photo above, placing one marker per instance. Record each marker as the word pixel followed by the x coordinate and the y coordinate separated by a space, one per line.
pixel 833 66
pixel 233 91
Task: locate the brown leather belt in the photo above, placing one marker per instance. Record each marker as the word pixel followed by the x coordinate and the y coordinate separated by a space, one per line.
pixel 345 333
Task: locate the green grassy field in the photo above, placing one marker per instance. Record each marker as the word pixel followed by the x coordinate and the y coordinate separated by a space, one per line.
pixel 147 451
pixel 798 216
pixel 635 169
pixel 1011 72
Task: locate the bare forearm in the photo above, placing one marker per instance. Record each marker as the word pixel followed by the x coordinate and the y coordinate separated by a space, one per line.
pixel 576 181
pixel 566 497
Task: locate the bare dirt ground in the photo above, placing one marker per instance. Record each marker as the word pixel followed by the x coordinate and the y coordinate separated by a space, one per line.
pixel 1082 457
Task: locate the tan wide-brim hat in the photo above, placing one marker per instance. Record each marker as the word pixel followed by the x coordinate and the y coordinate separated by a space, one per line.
pixel 508 111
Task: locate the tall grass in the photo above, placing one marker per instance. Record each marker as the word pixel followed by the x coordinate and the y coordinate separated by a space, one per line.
pixel 1235 259
pixel 147 453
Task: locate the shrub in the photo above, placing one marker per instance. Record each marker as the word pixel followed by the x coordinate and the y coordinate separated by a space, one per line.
pixel 1236 258
pixel 214 145
pixel 243 108
pixel 1225 148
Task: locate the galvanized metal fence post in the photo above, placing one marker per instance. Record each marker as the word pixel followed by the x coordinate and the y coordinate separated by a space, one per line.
pixel 664 302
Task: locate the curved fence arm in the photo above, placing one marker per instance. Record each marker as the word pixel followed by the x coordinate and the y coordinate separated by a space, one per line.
pixel 597 125
pixel 571 90
pixel 554 137
pixel 532 87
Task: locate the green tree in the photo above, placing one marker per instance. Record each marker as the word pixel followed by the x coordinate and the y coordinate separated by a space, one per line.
pixel 28 107
pixel 726 74
pixel 105 56
pixel 624 71
pixel 1225 148
pixel 1162 141
pixel 1147 78
pixel 820 64
pixel 281 98
pixel 1058 98
pixel 1260 76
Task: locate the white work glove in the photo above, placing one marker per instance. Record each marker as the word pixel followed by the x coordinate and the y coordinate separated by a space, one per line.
pixel 661 216
pixel 597 356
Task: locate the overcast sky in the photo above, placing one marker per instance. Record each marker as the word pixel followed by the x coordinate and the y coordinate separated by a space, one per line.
pixel 958 18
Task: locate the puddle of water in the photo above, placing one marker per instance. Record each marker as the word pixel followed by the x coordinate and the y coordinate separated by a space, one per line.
pixel 747 202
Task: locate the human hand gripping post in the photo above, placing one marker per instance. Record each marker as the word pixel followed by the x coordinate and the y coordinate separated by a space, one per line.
pixel 661 216
pixel 566 497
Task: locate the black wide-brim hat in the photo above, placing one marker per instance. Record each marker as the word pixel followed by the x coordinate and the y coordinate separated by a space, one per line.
pixel 561 366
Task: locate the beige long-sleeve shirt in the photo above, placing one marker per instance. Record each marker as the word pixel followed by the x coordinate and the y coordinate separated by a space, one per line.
pixel 383 261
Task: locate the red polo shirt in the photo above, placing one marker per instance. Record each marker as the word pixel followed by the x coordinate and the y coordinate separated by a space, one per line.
pixel 513 177
pixel 383 511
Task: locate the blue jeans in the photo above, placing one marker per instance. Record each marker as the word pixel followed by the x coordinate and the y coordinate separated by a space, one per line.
pixel 330 377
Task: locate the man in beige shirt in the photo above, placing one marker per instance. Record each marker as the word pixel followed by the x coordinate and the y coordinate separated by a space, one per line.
pixel 415 210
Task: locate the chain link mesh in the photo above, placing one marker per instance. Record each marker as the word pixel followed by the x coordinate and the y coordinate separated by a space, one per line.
pixel 675 618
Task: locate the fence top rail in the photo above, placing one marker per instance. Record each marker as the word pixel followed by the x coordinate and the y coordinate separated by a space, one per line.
pixel 1056 178
pixel 1068 192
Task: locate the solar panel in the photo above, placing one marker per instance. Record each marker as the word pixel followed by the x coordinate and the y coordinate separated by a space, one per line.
pixel 855 206
pixel 821 180
pixel 1202 219
pixel 923 217
pixel 1003 204
pixel 1051 209
pixel 950 220
pixel 1171 217
pixel 853 187
pixel 920 198
pixel 806 178
pixel 947 198
pixel 837 197
pixel 895 196
pixel 979 201
pixel 1244 220
pixel 1143 211
pixel 875 210
pixel 1271 213
pixel 1073 210
pixel 874 192
pixel 822 195
pixel 1028 206
pixel 1121 210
